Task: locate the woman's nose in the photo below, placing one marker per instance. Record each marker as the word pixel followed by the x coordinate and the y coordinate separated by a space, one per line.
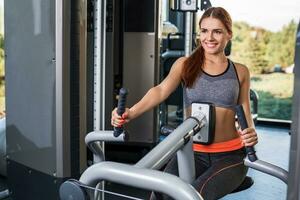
pixel 210 35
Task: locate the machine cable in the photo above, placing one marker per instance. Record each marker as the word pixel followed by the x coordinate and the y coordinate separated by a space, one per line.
pixel 97 190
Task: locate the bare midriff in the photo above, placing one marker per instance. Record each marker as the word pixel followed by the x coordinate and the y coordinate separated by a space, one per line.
pixel 225 132
pixel 225 129
pixel 224 124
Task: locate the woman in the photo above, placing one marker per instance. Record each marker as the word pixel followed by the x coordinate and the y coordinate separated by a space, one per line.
pixel 209 76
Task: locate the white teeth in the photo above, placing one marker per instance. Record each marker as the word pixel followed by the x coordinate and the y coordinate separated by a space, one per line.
pixel 210 45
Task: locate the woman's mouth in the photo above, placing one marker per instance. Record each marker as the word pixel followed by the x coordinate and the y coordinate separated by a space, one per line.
pixel 211 45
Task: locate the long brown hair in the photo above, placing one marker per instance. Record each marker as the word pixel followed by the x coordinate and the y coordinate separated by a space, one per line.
pixel 193 64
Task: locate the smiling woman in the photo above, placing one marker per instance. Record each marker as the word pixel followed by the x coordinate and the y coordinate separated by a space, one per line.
pixel 207 75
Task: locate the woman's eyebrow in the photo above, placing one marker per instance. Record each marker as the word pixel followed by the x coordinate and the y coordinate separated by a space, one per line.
pixel 216 29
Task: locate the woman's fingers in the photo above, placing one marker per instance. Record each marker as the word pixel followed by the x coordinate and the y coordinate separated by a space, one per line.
pixel 117 123
pixel 117 120
pixel 250 141
pixel 247 130
pixel 249 137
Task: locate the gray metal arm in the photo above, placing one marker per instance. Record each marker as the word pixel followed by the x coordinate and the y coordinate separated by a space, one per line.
pixel 268 168
pixel 93 139
pixel 156 158
pixel 103 136
pixel 179 141
pixel 172 54
pixel 141 178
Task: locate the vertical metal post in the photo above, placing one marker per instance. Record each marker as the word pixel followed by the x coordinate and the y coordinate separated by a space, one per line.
pixel 165 8
pixel 294 171
pixel 62 46
pixel 99 64
pixel 186 162
pixel 188 37
pixel 82 15
pixel 99 67
pixel 188 33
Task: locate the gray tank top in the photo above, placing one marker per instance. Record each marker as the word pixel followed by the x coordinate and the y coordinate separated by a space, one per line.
pixel 221 90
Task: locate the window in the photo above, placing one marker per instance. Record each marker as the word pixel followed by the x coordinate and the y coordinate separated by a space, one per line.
pixel 264 40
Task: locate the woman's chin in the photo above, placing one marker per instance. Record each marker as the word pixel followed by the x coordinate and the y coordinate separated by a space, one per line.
pixel 212 51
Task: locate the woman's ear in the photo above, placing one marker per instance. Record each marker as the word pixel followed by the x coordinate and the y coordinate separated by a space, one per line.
pixel 229 36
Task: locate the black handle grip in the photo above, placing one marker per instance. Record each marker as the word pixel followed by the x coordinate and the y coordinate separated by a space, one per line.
pixel 121 109
pixel 243 123
pixel 166 130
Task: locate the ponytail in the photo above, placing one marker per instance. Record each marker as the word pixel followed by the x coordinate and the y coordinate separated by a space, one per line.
pixel 192 67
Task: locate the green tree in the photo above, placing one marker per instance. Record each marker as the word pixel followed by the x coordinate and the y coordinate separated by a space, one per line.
pixel 281 47
pixel 239 41
pixel 249 46
pixel 256 56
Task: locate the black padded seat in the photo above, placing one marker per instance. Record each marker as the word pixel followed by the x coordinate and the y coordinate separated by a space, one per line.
pixel 247 183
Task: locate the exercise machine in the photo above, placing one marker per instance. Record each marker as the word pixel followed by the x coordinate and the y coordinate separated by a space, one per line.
pixel 144 173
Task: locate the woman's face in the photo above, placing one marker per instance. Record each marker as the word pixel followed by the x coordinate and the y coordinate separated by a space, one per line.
pixel 213 35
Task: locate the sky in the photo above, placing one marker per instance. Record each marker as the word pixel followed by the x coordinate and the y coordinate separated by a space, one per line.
pixel 268 14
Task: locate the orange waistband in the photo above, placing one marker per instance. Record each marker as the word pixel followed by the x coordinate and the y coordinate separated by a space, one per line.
pixel 230 145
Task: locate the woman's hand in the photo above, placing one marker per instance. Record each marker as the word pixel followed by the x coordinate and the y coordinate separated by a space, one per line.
pixel 249 137
pixel 117 120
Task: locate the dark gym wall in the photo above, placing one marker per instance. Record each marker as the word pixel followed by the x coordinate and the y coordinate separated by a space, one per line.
pixel 132 60
pixel 139 15
pixel 140 63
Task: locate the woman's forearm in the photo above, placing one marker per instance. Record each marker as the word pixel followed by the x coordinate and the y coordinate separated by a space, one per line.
pixel 153 97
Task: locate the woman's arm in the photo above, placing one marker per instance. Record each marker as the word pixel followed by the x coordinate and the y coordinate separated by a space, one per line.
pixel 154 96
pixel 244 98
pixel 249 135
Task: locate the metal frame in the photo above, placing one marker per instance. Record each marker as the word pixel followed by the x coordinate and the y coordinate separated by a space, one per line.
pixel 188 33
pixel 144 173
pixel 293 192
pixel 99 64
pixel 62 54
pixel 83 95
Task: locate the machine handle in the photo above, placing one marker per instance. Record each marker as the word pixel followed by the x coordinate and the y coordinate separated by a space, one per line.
pixel 121 109
pixel 243 123
pixel 166 130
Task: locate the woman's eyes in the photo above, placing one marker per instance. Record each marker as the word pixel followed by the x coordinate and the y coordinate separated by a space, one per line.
pixel 218 32
pixel 214 31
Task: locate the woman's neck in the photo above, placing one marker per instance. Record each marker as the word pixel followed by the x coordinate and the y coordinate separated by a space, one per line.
pixel 215 59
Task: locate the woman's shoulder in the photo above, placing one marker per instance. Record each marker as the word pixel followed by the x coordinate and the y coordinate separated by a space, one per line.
pixel 241 69
pixel 179 63
pixel 181 60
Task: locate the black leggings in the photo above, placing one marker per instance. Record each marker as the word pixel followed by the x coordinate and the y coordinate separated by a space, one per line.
pixel 217 174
